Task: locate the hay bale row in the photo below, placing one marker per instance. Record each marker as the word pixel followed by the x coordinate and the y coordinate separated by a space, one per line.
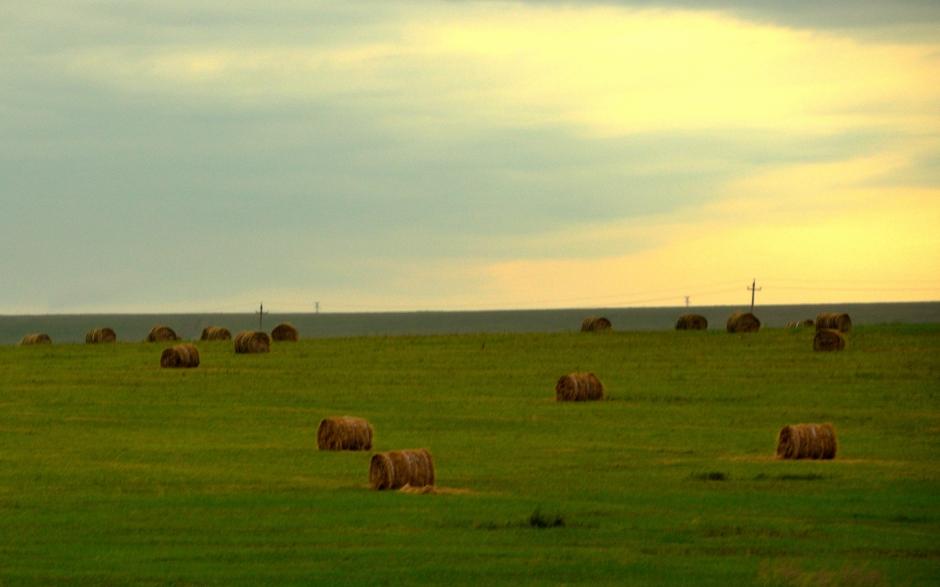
pixel 834 321
pixel 249 342
pixel 596 324
pixel 828 340
pixel 180 356
pixel 162 334
pixel 100 335
pixel 807 441
pixel 284 332
pixel 397 468
pixel 692 322
pixel 215 333
pixel 578 387
pixel 36 338
pixel 743 322
pixel 344 433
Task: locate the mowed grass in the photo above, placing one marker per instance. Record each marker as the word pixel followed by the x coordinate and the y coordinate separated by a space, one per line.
pixel 113 471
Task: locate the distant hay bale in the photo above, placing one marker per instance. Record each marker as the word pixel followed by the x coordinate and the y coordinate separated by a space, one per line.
pixel 692 322
pixel 344 433
pixel 743 322
pixel 398 468
pixel 99 335
pixel 807 441
pixel 284 332
pixel 579 387
pixel 215 333
pixel 252 342
pixel 161 334
pixel 828 339
pixel 799 323
pixel 37 338
pixel 180 356
pixel 596 324
pixel 834 321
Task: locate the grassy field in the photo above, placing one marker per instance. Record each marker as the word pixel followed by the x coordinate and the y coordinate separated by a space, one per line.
pixel 113 471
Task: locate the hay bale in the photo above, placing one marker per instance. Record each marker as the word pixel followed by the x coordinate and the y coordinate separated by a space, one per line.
pixel 98 335
pixel 252 342
pixel 36 338
pixel 692 322
pixel 215 333
pixel 828 339
pixel 344 433
pixel 397 468
pixel 579 387
pixel 799 323
pixel 807 441
pixel 743 322
pixel 284 332
pixel 161 334
pixel 596 324
pixel 833 321
pixel 180 356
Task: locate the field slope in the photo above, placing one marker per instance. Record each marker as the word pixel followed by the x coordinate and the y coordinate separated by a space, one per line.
pixel 113 471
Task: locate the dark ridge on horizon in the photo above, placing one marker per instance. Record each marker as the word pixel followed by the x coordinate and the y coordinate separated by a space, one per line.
pixel 65 328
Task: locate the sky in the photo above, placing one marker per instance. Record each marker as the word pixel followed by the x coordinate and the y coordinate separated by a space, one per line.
pixel 177 156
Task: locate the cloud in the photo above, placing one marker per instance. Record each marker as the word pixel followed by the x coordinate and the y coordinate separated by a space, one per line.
pixel 364 151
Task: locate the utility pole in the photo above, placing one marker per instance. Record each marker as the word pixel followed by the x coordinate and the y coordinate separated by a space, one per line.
pixel 318 307
pixel 686 301
pixel 754 289
pixel 261 314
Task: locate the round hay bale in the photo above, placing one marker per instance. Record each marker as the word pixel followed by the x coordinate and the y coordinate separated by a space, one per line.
pixel 180 356
pixel 161 334
pixel 252 342
pixel 397 468
pixel 99 335
pixel 215 333
pixel 828 339
pixel 285 332
pixel 833 321
pixel 692 322
pixel 807 441
pixel 596 324
pixel 579 387
pixel 743 322
pixel 344 433
pixel 36 338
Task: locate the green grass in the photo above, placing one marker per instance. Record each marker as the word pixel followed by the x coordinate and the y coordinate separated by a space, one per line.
pixel 113 471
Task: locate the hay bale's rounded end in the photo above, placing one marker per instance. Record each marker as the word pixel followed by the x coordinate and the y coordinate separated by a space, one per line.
pixel 692 322
pixel 252 341
pixel 162 334
pixel 100 335
pixel 577 387
pixel 743 322
pixel 285 332
pixel 827 340
pixel 596 324
pixel 181 356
